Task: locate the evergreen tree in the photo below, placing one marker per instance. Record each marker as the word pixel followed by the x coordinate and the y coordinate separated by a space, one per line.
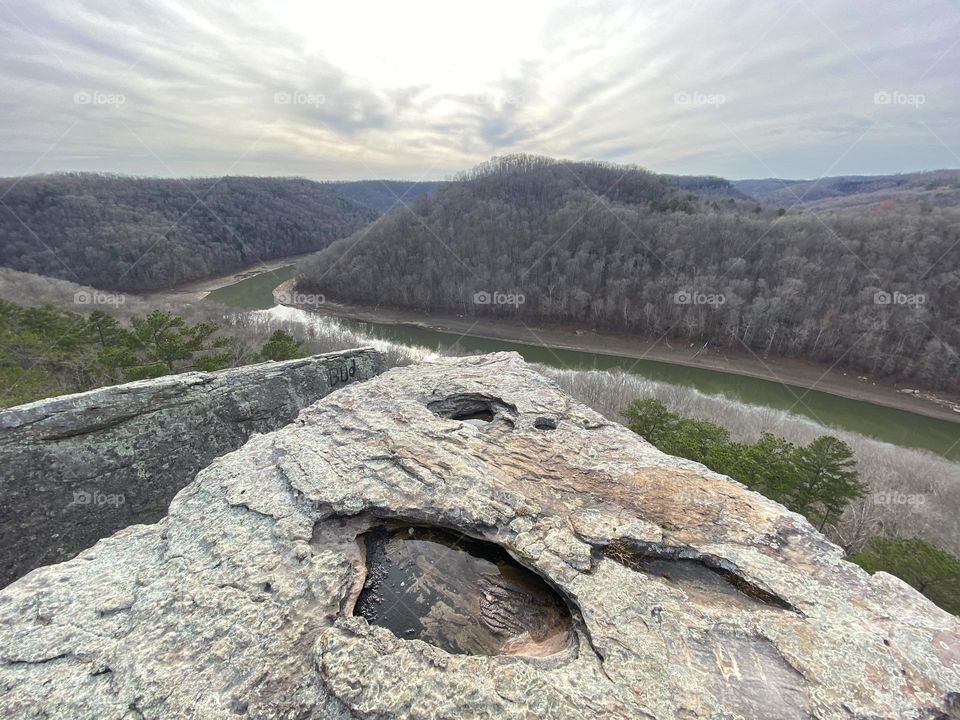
pixel 826 481
pixel 649 418
pixel 698 440
pixel 105 328
pixel 168 339
pixel 767 466
pixel 930 570
pixel 46 351
pixel 818 480
pixel 162 335
pixel 282 346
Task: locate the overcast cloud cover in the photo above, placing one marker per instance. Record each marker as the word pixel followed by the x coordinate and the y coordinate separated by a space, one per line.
pixel 353 89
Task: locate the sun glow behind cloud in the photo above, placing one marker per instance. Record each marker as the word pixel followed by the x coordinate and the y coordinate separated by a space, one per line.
pixel 451 47
pixel 425 89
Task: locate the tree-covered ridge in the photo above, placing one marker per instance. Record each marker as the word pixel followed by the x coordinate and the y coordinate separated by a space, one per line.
pixel 125 233
pixel 45 351
pixel 818 480
pixel 622 249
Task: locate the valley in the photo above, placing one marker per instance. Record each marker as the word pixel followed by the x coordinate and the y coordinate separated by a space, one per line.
pixel 566 360
pixel 825 396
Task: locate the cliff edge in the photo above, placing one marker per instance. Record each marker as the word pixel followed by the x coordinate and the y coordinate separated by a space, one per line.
pixel 77 468
pixel 461 539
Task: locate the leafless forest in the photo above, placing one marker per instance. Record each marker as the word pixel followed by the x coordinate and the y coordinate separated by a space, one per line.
pixel 136 234
pixel 874 288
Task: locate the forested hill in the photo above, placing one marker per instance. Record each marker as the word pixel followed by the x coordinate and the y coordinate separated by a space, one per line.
pixel 620 248
pixel 126 233
pixel 385 195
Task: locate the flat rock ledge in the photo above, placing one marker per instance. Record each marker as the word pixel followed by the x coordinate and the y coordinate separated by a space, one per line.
pixel 690 596
pixel 77 468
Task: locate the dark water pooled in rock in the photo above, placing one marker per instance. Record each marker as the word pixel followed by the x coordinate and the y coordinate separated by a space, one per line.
pixel 462 595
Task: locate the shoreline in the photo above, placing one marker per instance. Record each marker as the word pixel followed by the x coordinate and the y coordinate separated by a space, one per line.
pixel 803 374
pixel 197 290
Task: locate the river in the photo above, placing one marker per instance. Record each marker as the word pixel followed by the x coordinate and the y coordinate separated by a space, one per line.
pixel 888 424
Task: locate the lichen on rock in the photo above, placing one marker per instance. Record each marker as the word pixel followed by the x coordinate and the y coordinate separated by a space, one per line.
pixel 77 468
pixel 688 595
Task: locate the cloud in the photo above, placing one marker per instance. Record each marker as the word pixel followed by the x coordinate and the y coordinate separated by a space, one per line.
pixel 250 87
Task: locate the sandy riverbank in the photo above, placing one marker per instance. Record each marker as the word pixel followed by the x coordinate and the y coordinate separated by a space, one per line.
pixel 196 290
pixel 794 372
pixel 789 371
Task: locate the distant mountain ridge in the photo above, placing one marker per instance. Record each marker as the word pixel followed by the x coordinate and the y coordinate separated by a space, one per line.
pixel 140 234
pixel 385 195
pixel 707 185
pixel 845 190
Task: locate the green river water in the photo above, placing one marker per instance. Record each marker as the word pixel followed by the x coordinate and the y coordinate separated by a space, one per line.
pixel 899 427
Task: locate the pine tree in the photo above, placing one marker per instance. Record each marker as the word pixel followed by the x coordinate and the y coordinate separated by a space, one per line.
pixel 827 480
pixel 767 466
pixel 282 346
pixel 650 419
pixel 929 569
pixel 818 480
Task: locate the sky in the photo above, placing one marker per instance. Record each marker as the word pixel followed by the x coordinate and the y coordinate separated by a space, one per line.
pixel 425 89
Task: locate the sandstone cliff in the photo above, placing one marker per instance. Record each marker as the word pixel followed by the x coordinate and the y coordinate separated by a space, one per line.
pixel 77 468
pixel 650 588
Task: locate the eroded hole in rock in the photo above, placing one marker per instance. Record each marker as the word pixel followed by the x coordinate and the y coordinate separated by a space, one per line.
pixel 544 423
pixel 699 578
pixel 477 410
pixel 478 418
pixel 462 595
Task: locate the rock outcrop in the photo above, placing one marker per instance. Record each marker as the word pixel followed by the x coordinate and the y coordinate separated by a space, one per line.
pixel 77 468
pixel 686 595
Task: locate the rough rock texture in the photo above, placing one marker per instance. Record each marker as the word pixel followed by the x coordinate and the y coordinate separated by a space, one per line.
pixel 239 602
pixel 77 468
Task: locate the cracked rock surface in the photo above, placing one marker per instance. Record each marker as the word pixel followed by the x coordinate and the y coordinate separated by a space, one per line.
pixel 691 597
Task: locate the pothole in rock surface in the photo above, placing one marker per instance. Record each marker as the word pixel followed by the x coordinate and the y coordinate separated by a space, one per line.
pixel 462 595
pixel 474 409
